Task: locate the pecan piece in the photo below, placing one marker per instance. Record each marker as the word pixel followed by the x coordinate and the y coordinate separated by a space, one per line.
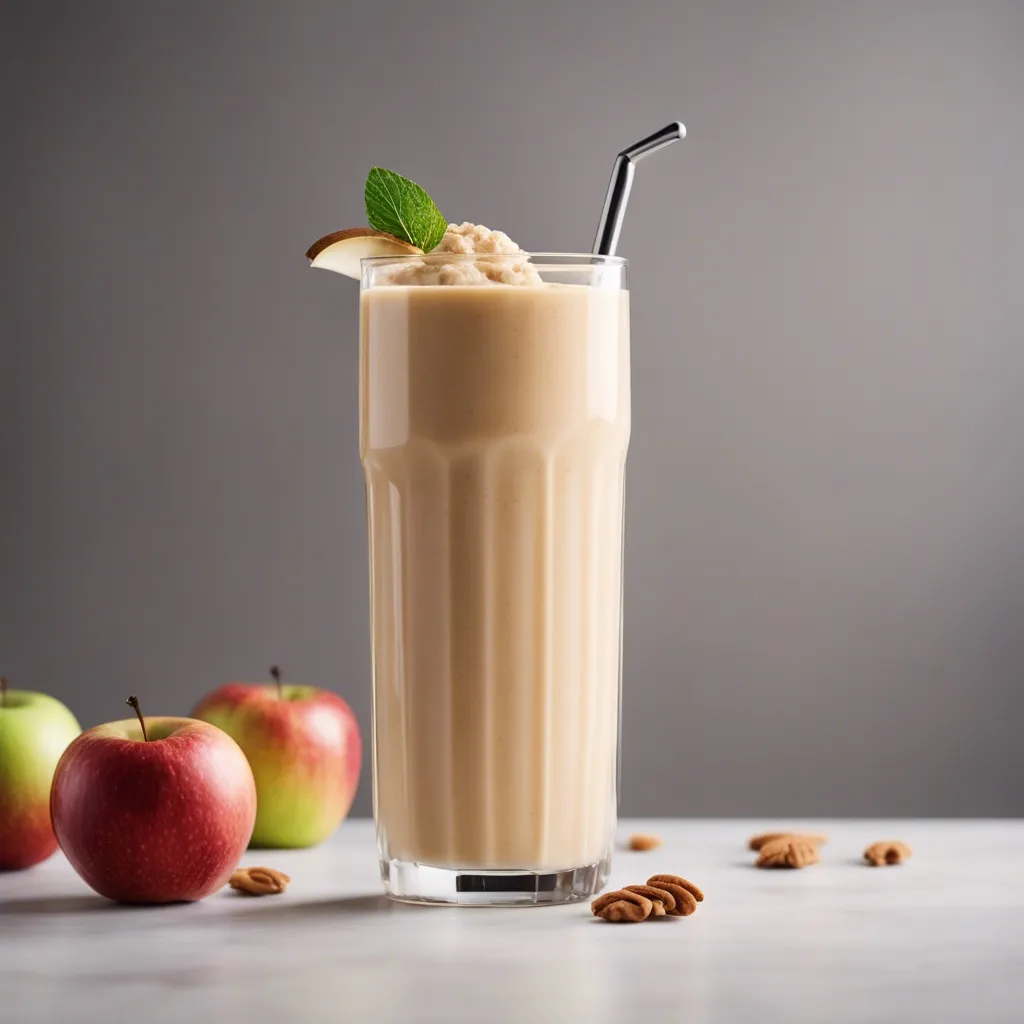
pixel 662 901
pixel 686 903
pixel 622 907
pixel 788 852
pixel 695 891
pixel 259 881
pixel 643 842
pixel 757 842
pixel 889 851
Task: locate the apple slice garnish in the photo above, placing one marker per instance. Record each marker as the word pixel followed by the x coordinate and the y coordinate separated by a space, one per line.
pixel 341 251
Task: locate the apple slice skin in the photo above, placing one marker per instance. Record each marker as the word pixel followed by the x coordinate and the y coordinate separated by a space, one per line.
pixel 341 251
pixel 405 248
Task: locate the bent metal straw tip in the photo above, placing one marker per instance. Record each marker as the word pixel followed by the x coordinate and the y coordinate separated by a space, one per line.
pixel 616 197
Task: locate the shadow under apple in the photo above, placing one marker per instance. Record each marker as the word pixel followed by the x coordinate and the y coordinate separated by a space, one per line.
pixel 89 903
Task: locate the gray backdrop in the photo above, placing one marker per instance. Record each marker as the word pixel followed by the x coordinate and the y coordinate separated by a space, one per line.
pixel 825 551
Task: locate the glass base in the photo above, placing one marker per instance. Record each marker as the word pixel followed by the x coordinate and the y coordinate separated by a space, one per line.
pixel 409 882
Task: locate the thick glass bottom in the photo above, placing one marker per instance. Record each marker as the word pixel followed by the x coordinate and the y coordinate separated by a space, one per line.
pixel 470 887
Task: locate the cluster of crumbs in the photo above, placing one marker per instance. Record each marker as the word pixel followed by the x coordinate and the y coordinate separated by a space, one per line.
pixel 463 240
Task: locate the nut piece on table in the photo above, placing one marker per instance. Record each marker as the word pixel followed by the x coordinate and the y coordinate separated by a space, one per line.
pixel 694 890
pixel 788 852
pixel 642 842
pixel 622 907
pixel 756 842
pixel 662 901
pixel 259 881
pixel 686 902
pixel 889 851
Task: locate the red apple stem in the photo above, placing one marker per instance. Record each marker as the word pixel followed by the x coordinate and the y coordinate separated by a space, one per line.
pixel 275 674
pixel 133 702
pixel 3 691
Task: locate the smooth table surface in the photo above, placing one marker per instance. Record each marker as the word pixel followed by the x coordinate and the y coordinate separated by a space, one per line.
pixel 940 938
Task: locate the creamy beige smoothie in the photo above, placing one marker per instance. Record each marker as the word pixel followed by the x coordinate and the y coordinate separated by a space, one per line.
pixel 494 422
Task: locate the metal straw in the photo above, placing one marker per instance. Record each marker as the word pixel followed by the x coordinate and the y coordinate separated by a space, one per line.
pixel 622 180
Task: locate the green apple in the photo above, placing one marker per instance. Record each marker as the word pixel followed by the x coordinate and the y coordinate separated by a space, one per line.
pixel 35 730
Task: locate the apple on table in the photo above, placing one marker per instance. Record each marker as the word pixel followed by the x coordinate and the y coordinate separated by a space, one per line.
pixel 153 810
pixel 305 750
pixel 35 730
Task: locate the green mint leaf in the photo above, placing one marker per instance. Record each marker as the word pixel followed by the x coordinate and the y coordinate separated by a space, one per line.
pixel 400 207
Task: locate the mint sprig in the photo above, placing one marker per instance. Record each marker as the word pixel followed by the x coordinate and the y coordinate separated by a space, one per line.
pixel 400 207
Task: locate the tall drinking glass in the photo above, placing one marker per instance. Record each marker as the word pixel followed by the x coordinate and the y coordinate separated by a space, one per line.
pixel 494 422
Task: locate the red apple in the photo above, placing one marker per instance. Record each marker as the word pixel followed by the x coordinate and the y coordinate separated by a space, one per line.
pixel 157 810
pixel 305 751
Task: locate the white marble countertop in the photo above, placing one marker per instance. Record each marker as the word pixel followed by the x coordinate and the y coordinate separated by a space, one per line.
pixel 938 939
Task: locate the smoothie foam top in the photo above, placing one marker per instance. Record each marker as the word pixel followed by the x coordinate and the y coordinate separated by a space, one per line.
pixel 462 240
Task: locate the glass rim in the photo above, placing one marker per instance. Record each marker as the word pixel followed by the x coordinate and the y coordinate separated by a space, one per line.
pixel 553 259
